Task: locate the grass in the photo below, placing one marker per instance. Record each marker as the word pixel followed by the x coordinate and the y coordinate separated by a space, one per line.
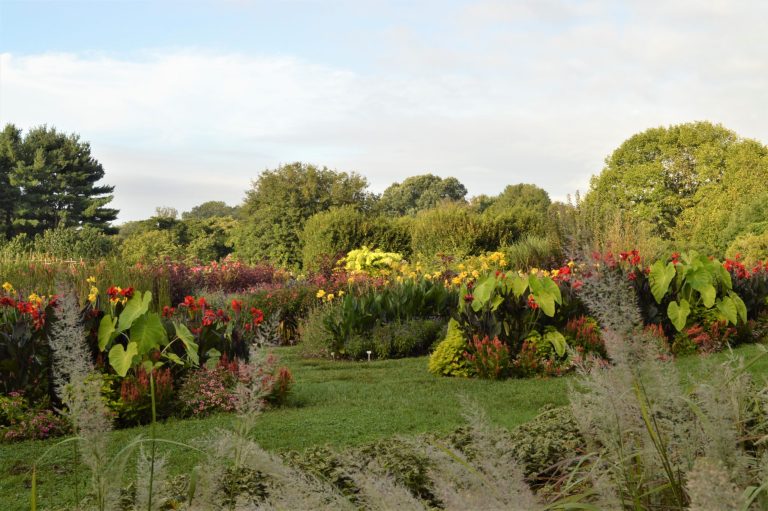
pixel 332 403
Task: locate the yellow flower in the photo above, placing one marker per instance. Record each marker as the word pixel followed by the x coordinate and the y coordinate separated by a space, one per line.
pixel 329 297
pixel 320 293
pixel 35 298
pixel 351 280
pixel 8 287
pixel 91 280
pixel 555 273
pixel 341 292
pixel 570 264
pixel 475 273
pixel 456 280
pixel 461 267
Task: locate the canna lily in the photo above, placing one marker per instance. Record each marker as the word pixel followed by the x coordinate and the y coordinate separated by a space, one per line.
pixel 8 287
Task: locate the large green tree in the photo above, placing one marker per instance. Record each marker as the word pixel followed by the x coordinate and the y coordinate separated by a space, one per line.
pixel 10 144
pixel 280 202
pixel 681 180
pixel 210 209
pixel 56 178
pixel 418 193
pixel 521 209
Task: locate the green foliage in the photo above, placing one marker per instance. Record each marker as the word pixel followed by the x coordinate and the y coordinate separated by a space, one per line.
pixel 683 180
pixel 317 340
pixel 448 358
pixel 335 232
pixel 521 210
pixel 396 339
pixel 73 243
pixel 210 209
pixel 532 252
pixel 541 444
pixel 455 230
pixel 418 193
pixel 508 307
pixel 151 246
pixel 357 314
pixel 55 178
pixel 750 247
pixel 696 282
pixel 279 204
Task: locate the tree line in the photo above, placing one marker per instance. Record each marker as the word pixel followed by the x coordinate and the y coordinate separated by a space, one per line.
pixel 695 185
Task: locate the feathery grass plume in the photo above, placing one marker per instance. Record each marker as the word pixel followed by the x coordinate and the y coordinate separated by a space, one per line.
pixel 710 487
pixel 635 414
pixel 79 387
pixel 380 491
pixel 485 475
pixel 143 470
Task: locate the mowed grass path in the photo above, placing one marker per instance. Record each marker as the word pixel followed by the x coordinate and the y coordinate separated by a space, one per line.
pixel 332 403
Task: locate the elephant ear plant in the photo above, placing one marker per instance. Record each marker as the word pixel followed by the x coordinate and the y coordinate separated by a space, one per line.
pixel 133 337
pixel 510 307
pixel 696 284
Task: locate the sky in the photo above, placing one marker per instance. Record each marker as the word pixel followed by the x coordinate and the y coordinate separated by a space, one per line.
pixel 188 101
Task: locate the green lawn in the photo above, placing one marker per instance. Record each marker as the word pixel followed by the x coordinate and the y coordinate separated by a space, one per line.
pixel 335 403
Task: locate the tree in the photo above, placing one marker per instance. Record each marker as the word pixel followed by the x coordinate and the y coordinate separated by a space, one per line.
pixel 280 202
pixel 521 209
pixel 681 180
pixel 418 193
pixel 10 143
pixel 56 176
pixel 210 209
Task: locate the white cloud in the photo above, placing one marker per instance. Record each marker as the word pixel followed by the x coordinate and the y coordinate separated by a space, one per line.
pixel 492 102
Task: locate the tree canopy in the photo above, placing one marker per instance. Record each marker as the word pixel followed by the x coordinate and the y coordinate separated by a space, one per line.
pixel 49 180
pixel 682 180
pixel 418 193
pixel 210 209
pixel 280 202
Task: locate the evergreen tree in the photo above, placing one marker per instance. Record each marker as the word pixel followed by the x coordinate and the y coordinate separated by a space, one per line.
pixel 10 142
pixel 55 177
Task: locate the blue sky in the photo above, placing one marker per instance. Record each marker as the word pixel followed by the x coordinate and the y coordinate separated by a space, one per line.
pixel 187 101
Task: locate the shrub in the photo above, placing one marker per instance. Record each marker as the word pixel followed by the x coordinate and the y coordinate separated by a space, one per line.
pixel 453 229
pixel 448 358
pixel 543 444
pixel 19 421
pixel 532 252
pixel 213 389
pixel 317 340
pixel 401 339
pixel 370 261
pixel 130 397
pixel 72 243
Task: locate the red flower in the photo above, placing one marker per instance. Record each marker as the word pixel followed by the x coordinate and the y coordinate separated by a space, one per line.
pixel 127 292
pixel 112 292
pixel 532 302
pixel 468 297
pixel 258 315
pixel 237 305
pixel 632 276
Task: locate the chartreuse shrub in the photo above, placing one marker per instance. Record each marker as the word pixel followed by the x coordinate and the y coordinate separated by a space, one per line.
pixel 370 261
pixel 448 358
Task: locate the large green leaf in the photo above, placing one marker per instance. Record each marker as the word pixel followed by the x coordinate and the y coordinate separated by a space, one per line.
pixel 546 302
pixel 741 307
pixel 121 359
pixel 183 333
pixel 698 278
pixel 678 313
pixel 708 294
pixel 106 329
pixel 557 340
pixel 519 285
pixel 549 286
pixel 148 332
pixel 727 308
pixel 660 278
pixel 137 305
pixel 483 291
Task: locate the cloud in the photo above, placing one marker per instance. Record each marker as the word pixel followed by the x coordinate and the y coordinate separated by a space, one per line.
pixel 496 93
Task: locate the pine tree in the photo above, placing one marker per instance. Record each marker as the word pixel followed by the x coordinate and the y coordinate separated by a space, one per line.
pixel 56 179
